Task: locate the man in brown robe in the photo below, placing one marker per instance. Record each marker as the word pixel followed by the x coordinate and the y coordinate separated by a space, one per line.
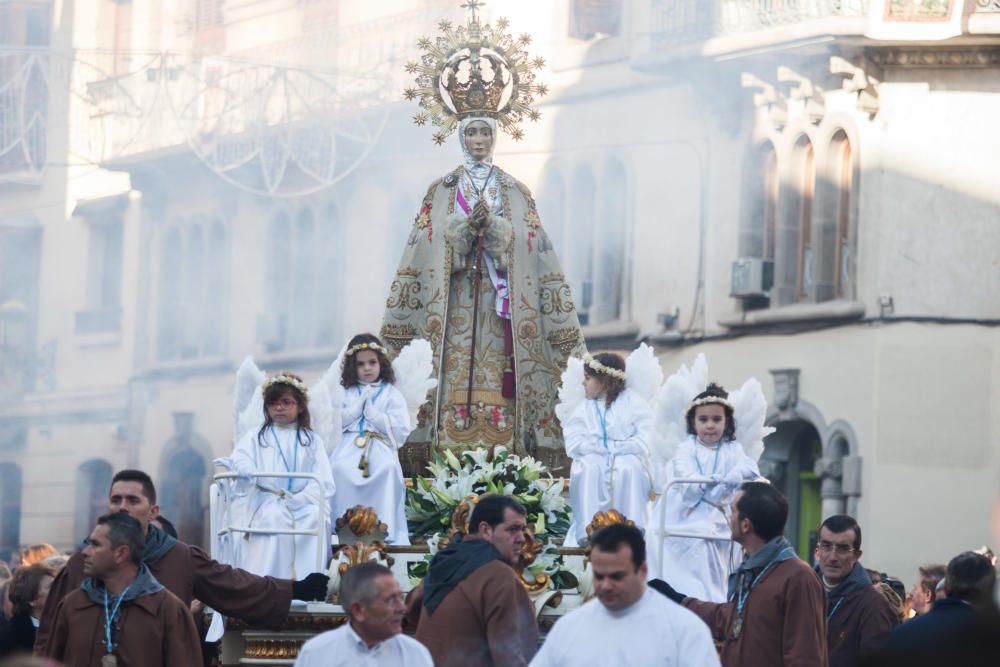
pixel 859 618
pixel 775 613
pixel 473 609
pixel 148 626
pixel 185 570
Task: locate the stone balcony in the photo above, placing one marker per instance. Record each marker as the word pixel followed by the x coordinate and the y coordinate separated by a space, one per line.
pixel 668 31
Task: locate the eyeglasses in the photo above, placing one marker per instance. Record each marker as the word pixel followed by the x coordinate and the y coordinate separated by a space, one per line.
pixel 841 549
pixel 283 402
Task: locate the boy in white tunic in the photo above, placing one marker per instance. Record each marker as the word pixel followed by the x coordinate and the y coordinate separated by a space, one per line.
pixel 285 443
pixel 608 439
pixel 373 635
pixel 628 623
pixel 376 424
pixel 703 566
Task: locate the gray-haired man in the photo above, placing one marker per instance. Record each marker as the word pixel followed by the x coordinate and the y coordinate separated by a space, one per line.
pixel 373 602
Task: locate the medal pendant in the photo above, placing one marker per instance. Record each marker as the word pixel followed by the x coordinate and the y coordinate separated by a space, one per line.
pixel 361 441
pixel 109 660
pixel 738 627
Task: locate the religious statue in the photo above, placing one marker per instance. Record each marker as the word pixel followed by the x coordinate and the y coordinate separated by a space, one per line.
pixel 479 278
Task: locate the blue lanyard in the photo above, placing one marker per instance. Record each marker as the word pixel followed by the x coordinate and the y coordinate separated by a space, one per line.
pixel 361 425
pixel 604 423
pixel 109 618
pixel 295 456
pixel 834 610
pixel 715 464
pixel 743 593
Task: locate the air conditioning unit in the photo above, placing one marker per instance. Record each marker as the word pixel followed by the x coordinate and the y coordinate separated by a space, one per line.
pixel 752 277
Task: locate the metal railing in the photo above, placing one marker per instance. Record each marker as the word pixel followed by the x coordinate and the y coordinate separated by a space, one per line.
pixel 663 532
pixel 674 22
pixel 24 103
pixel 223 483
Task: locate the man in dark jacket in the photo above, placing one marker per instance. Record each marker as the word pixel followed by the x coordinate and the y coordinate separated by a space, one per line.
pixel 858 617
pixel 185 570
pixel 774 615
pixel 121 615
pixel 961 629
pixel 472 609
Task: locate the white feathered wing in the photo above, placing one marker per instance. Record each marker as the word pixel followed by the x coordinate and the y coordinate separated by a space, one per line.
pixel 643 373
pixel 671 405
pixel 326 399
pixel 248 401
pixel 414 370
pixel 750 411
pixel 571 392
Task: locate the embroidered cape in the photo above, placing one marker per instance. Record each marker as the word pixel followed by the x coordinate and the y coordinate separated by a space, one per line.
pixel 431 297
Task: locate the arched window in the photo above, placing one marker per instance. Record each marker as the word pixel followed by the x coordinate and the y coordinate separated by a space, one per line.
pixel 194 318
pixel 611 227
pixel 804 184
pixel 182 495
pixel 10 508
pixel 169 331
pixel 579 264
pixel 215 290
pixel 330 283
pixel 275 319
pixel 842 173
pixel 93 481
pixel 301 329
pixel 758 228
pixel 552 208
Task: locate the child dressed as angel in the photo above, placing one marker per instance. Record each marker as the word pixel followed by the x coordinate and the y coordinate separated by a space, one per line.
pixel 608 437
pixel 701 566
pixel 375 423
pixel 284 443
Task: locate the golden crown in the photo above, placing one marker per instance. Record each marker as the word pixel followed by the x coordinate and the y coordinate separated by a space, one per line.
pixel 475 70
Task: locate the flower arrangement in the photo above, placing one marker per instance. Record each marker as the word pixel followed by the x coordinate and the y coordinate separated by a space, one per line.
pixel 432 501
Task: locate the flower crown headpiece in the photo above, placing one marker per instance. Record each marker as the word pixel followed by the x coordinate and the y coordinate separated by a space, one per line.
pixel 598 367
pixel 290 380
pixel 708 400
pixel 375 347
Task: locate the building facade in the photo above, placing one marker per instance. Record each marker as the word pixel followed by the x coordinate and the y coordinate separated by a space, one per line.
pixel 785 187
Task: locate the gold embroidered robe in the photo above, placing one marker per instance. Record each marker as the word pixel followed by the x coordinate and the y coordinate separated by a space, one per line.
pixel 431 297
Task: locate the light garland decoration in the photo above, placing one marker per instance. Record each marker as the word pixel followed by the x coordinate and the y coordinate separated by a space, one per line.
pixel 598 367
pixel 709 400
pixel 475 70
pixel 374 347
pixel 290 380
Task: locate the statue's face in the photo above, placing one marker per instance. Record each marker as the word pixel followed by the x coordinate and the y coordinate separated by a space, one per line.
pixel 479 139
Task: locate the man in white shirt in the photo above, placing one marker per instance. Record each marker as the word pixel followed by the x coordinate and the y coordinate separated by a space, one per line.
pixel 374 605
pixel 628 624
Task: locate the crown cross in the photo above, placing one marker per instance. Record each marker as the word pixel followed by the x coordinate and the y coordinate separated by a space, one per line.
pixel 472 6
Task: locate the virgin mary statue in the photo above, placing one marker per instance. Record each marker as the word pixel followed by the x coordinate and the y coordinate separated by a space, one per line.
pixel 479 278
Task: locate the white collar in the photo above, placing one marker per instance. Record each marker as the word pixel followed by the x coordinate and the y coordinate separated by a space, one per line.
pixel 360 643
pixel 620 613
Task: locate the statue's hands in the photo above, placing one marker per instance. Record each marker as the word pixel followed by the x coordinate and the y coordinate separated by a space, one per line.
pixel 480 216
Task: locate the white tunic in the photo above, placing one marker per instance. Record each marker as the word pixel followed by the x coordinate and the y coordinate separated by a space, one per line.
pixel 652 632
pixel 700 568
pixel 610 452
pixel 384 411
pixel 281 503
pixel 344 648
